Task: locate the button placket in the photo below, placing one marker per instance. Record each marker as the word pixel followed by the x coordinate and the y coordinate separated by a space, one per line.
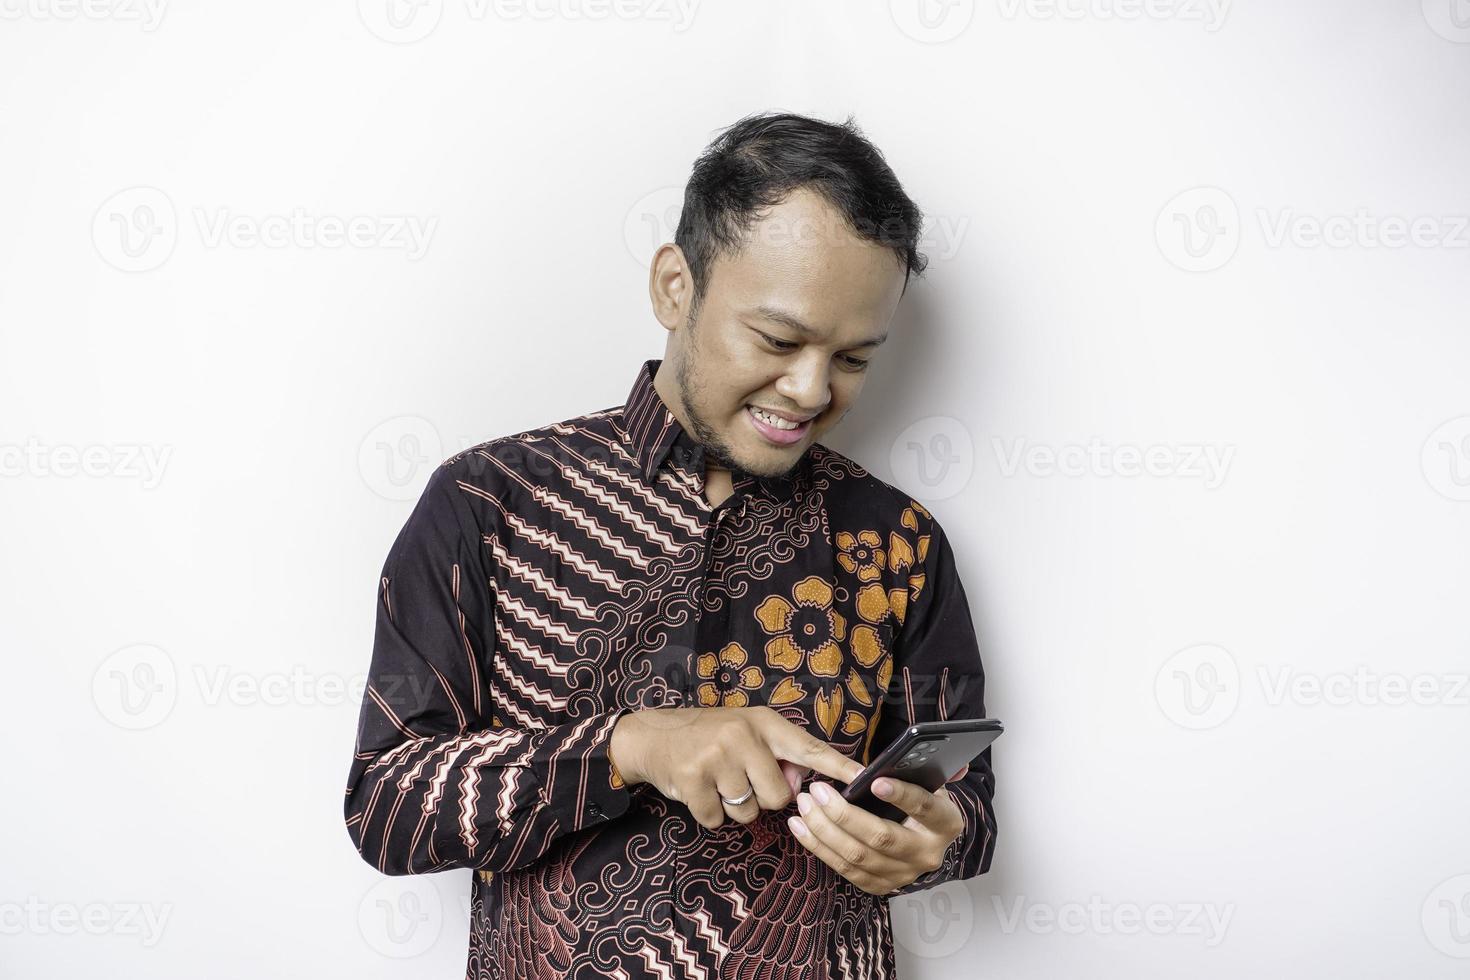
pixel 683 914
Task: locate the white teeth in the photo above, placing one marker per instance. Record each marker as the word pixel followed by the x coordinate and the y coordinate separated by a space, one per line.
pixel 773 420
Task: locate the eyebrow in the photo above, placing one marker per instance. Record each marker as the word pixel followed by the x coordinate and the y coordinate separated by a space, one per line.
pixel 795 323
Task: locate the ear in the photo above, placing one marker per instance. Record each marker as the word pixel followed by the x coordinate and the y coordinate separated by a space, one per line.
pixel 670 286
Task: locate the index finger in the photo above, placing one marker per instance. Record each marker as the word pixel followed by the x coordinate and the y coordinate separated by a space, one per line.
pixel 801 747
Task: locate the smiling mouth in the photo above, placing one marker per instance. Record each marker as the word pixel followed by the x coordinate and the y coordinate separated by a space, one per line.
pixel 777 430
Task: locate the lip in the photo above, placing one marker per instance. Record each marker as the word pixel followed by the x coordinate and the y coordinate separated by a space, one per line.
pixel 781 437
pixel 785 415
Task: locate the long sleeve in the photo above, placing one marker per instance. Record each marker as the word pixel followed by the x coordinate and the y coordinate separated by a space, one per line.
pixel 938 676
pixel 437 782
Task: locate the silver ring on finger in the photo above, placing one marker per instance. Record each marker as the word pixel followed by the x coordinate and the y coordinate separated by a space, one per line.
pixel 739 799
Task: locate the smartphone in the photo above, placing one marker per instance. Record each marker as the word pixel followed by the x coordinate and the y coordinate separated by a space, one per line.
pixel 927 754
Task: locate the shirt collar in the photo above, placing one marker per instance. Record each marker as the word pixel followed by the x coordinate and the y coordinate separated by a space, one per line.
pixel 652 434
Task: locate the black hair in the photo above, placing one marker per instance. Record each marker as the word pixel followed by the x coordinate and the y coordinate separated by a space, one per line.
pixel 759 160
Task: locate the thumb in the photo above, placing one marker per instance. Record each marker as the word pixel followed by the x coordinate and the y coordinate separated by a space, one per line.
pixel 794 774
pixel 960 774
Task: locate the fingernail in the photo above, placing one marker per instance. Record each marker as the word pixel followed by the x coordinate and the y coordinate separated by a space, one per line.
pixel 803 803
pixel 822 793
pixel 797 827
pixel 882 787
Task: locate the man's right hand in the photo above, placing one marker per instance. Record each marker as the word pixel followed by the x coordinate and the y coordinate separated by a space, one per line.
pixel 698 755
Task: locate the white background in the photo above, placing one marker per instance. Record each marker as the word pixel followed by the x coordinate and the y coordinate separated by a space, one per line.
pixel 1214 764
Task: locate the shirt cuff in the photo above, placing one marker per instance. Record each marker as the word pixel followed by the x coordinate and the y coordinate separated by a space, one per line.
pixel 607 796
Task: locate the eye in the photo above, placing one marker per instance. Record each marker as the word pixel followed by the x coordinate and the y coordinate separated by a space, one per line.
pixel 782 346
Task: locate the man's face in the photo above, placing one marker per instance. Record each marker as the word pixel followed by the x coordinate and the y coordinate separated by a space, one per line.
pixel 800 265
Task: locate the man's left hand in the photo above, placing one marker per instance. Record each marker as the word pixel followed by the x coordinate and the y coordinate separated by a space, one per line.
pixel 875 854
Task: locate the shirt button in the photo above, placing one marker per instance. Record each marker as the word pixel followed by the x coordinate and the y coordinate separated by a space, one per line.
pixel 594 811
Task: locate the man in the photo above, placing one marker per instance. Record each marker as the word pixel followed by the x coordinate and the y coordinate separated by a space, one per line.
pixel 611 650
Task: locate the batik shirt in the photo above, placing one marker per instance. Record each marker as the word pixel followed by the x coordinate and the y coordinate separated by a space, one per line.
pixel 549 582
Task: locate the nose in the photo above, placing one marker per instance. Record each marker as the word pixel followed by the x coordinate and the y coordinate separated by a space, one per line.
pixel 807 385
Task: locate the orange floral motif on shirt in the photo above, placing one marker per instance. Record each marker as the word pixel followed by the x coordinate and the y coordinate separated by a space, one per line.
pixel 806 632
pixel 874 602
pixel 726 677
pixel 861 554
pixel 902 555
